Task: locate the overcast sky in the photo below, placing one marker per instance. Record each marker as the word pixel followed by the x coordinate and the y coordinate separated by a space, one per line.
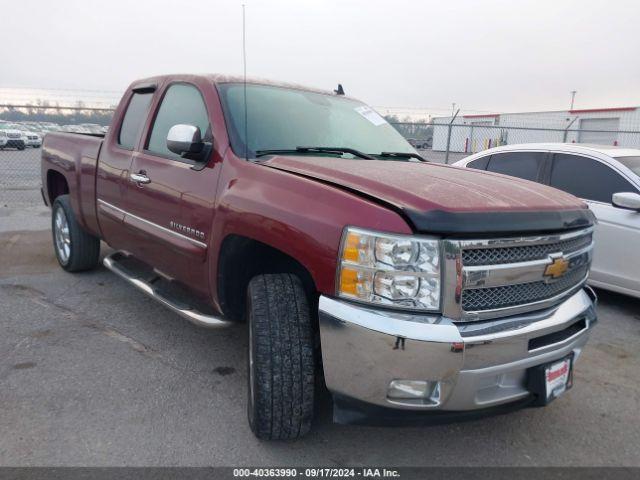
pixel 485 55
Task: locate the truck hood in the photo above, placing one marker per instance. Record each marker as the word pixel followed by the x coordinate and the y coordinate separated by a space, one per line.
pixel 439 198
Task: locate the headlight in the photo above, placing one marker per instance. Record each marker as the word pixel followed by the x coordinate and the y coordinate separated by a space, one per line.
pixel 392 270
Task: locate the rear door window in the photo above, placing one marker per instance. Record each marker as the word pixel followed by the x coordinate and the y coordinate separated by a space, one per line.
pixel 134 119
pixel 587 178
pixel 526 165
pixel 182 104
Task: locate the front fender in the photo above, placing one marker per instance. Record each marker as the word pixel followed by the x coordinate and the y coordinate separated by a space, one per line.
pixel 301 217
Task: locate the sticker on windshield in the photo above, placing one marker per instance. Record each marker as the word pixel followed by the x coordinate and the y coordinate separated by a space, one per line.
pixel 371 115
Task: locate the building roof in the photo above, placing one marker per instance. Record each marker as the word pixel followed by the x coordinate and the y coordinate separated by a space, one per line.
pixel 568 112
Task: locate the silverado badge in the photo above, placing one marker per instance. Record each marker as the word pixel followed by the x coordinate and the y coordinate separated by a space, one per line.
pixel 557 268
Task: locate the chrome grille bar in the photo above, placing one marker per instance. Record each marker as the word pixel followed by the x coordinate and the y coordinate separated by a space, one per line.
pixel 514 278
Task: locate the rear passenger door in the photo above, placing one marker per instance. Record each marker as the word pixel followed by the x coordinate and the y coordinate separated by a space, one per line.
pixel 617 230
pixel 112 179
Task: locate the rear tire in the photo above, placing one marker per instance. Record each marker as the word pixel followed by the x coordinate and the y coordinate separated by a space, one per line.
pixel 281 358
pixel 76 250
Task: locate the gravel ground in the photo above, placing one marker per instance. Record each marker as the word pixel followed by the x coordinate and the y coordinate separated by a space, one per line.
pixel 94 373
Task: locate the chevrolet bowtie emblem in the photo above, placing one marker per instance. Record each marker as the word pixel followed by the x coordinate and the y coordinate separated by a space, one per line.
pixel 557 268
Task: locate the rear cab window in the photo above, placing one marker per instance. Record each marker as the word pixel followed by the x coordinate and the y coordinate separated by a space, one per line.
pixel 134 119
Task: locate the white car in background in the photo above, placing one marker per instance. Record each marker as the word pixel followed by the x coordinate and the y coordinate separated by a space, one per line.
pixel 12 138
pixel 33 140
pixel 606 178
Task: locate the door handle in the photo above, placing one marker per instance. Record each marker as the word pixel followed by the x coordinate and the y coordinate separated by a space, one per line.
pixel 139 178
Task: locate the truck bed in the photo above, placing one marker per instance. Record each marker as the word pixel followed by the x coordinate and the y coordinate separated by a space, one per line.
pixel 75 157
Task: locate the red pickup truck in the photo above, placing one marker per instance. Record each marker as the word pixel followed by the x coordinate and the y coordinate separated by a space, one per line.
pixel 413 290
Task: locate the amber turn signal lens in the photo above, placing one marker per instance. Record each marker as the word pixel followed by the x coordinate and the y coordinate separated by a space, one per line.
pixel 349 281
pixel 350 252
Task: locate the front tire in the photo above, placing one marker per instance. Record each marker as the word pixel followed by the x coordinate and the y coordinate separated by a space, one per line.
pixel 281 359
pixel 76 250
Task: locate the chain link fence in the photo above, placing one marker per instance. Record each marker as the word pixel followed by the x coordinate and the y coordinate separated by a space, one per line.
pixel 450 142
pixel 22 130
pixel 444 140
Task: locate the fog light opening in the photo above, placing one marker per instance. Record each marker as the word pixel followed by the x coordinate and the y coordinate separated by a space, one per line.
pixel 414 391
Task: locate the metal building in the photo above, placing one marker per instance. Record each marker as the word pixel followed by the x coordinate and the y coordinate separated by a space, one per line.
pixel 604 126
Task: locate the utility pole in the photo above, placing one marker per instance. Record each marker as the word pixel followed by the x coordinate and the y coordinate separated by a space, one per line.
pixel 453 119
pixel 453 108
pixel 573 98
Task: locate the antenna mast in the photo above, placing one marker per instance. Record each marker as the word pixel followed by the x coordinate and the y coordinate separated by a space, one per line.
pixel 244 67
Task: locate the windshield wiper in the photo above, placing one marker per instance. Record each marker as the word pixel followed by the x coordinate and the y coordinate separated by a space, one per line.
pixel 402 155
pixel 336 150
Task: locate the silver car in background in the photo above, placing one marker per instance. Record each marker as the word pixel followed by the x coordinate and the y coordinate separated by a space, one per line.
pixel 607 178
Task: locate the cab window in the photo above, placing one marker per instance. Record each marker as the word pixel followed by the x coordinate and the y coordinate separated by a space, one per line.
pixel 134 119
pixel 182 104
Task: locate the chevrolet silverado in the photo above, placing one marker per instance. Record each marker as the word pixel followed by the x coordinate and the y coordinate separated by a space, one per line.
pixel 410 290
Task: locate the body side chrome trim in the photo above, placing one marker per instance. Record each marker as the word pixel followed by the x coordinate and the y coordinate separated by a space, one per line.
pixel 152 224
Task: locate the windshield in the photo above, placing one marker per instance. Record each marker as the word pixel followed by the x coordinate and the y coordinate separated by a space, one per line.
pixel 632 163
pixel 283 119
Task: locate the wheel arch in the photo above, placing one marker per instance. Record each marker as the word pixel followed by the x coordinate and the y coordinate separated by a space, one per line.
pixel 56 185
pixel 241 258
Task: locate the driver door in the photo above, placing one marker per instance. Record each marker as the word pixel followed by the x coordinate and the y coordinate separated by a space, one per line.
pixel 171 203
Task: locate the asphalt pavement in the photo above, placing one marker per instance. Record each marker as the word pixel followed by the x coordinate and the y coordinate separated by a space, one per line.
pixel 94 373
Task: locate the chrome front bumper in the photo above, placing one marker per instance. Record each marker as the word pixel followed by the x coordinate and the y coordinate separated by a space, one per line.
pixel 471 365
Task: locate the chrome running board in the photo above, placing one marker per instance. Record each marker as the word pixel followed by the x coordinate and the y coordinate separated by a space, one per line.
pixel 166 292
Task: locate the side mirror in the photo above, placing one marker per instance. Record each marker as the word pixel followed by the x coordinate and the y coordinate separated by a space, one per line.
pixel 185 139
pixel 626 200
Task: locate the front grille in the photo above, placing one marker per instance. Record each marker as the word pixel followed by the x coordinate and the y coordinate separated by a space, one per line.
pixel 491 280
pixel 502 255
pixel 518 294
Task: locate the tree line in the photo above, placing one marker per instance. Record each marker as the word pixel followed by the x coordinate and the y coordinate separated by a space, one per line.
pixel 42 111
